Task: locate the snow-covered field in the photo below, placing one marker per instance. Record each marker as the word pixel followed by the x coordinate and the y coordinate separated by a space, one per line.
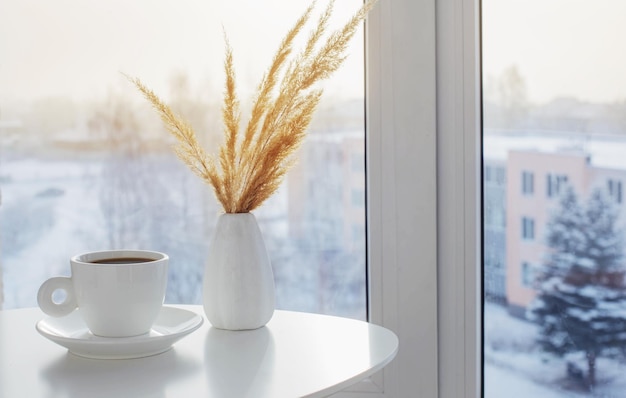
pixel 41 223
pixel 51 210
pixel 515 367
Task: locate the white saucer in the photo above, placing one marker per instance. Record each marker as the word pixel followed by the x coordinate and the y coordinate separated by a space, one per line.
pixel 71 332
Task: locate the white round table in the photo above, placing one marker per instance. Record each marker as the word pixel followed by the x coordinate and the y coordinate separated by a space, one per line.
pixel 294 355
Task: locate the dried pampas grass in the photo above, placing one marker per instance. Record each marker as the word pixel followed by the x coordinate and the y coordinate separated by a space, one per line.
pixel 253 162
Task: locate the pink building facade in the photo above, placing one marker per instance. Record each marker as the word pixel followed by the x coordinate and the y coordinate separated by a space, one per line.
pixel 330 171
pixel 534 181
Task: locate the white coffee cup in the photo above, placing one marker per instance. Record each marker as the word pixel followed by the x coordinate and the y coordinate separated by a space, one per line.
pixel 118 293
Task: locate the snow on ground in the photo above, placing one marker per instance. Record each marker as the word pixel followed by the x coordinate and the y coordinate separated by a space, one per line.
pixel 504 383
pixel 515 367
pixel 54 209
pixel 54 213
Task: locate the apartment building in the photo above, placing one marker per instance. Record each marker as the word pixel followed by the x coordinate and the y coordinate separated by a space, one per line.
pixel 494 228
pixel 331 173
pixel 537 168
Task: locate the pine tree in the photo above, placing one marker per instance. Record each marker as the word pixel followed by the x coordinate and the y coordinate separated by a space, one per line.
pixel 566 237
pixel 582 298
pixel 605 240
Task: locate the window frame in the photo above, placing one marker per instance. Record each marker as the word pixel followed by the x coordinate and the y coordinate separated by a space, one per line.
pixel 423 157
pixel 459 180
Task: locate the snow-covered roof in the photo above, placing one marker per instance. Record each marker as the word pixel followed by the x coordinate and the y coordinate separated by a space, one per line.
pixel 605 151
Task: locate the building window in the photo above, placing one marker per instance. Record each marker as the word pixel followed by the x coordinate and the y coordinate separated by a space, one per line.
pixel 528 182
pixel 528 228
pixel 358 197
pixel 555 183
pixel 358 231
pixel 357 162
pixel 494 175
pixel 528 275
pixel 500 175
pixel 615 189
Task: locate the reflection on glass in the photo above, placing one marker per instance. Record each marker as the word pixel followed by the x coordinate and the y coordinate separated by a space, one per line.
pixel 85 164
pixel 554 100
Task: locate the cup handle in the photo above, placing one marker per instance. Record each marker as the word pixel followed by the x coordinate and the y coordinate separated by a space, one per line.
pixel 44 297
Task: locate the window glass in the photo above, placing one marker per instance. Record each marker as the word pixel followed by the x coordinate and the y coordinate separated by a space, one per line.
pixel 527 274
pixel 615 189
pixel 528 228
pixel 554 102
pixel 85 164
pixel 528 186
pixel 555 183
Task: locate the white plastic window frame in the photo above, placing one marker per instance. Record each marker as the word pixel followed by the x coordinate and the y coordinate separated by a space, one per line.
pixel 423 196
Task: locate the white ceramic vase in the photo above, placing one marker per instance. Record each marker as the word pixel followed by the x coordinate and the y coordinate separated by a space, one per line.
pixel 238 288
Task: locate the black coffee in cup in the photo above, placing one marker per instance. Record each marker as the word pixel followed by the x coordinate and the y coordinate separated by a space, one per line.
pixel 122 260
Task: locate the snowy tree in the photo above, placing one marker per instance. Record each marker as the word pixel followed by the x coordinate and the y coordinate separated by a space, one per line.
pixel 581 305
pixel 566 235
pixel 506 99
pixel 605 240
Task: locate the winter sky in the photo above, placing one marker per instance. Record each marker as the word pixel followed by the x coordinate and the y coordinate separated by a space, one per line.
pixel 76 48
pixel 561 47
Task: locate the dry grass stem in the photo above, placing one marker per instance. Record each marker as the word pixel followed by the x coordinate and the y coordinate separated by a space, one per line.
pixel 253 164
